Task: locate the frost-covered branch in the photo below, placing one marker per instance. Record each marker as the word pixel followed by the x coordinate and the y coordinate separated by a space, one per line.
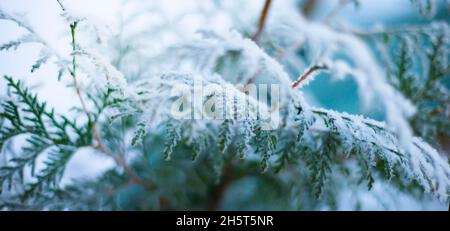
pixel 307 74
pixel 176 115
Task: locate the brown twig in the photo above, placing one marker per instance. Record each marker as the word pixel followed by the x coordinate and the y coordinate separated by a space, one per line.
pixel 308 73
pixel 262 21
pixel 61 5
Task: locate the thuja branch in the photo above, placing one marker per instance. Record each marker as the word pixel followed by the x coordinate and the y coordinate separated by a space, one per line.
pixel 262 21
pixel 120 161
pixel 367 123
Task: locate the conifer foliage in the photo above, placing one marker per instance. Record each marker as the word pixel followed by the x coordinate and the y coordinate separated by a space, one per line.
pixel 311 160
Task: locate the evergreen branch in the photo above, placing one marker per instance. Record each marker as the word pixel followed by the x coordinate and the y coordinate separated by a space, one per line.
pixel 313 154
pixel 16 43
pixel 50 176
pixel 34 120
pixel 39 63
pixel 371 124
pixel 173 137
pixel 373 143
pixel 224 135
pixel 28 158
pixel 265 142
pixel 120 161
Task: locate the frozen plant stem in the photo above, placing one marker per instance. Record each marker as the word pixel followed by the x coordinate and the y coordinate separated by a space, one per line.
pixel 61 5
pixel 262 21
pixel 311 70
pixel 73 72
pixel 256 37
pixel 119 160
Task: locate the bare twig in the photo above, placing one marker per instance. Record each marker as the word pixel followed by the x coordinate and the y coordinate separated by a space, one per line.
pixel 262 21
pixel 308 73
pixel 61 5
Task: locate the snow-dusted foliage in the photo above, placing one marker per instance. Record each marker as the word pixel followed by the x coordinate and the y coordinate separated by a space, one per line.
pixel 195 117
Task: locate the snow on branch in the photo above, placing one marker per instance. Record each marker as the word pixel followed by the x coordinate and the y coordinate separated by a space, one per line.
pixel 197 94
